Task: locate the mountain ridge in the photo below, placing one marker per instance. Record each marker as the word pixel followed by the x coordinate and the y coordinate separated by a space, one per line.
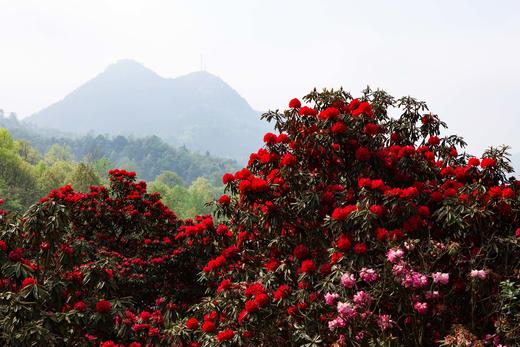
pixel 198 109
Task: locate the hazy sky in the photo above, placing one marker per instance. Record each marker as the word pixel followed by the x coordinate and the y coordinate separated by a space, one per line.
pixel 462 57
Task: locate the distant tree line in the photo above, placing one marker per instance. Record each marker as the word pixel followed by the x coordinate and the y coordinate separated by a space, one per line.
pixel 28 170
pixel 148 156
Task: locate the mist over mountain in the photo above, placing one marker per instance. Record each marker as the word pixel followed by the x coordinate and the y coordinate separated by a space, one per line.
pixel 198 110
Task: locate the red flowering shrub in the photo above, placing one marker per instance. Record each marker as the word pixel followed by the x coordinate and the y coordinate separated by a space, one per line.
pixel 348 228
pixel 114 266
pixel 361 229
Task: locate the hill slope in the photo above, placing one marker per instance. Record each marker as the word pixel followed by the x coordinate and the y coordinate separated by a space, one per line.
pixel 198 110
pixel 149 156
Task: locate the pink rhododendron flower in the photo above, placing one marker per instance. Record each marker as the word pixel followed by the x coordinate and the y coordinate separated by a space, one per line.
pixel 338 322
pixel 331 298
pixel 368 275
pixel 480 274
pixel 348 280
pixel 442 278
pixel 415 280
pixel 394 254
pixel 346 309
pixel 421 307
pixel 362 298
pixel 384 322
pixel 399 269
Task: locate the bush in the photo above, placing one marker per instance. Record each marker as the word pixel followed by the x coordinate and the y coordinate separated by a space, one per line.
pixel 353 228
pixel 349 228
pixel 112 264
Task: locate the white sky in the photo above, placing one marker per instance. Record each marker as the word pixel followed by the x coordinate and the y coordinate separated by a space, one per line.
pixel 462 57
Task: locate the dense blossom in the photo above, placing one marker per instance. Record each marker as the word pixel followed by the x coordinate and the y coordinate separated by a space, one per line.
pixel 348 227
pixel 374 232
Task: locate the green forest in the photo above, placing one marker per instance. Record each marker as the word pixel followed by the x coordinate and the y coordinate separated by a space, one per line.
pixel 32 164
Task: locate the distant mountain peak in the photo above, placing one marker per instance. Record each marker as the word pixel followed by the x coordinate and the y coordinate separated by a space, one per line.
pixel 129 68
pixel 198 109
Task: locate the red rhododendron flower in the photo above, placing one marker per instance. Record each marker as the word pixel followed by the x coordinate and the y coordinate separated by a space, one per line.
pixel 363 108
pixel 282 138
pixel 80 306
pixel 225 284
pixel 301 251
pixel 224 200
pixel 360 248
pixel 282 292
pixel 371 129
pixel 259 185
pixel 227 178
pixel 251 306
pixel 307 111
pixel 192 323
pixel 377 210
pixel 295 103
pixel 434 141
pixel 329 113
pixel 254 289
pixel 474 161
pixel 343 242
pixel 262 299
pixel 208 326
pixel 488 162
pixel 29 281
pixel 272 265
pixel 362 154
pixel 308 266
pixel 244 186
pixel 270 138
pixel 341 213
pixel 288 160
pixel 225 335
pixel 508 193
pixel 103 306
pixel 339 127
pixel 3 245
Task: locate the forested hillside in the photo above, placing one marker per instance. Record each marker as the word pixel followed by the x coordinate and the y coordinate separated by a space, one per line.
pixel 149 156
pixel 32 164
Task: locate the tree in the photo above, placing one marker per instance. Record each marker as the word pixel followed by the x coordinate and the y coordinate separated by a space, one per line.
pixel 27 152
pixel 169 178
pixel 82 177
pixel 55 175
pixel 58 153
pixel 6 141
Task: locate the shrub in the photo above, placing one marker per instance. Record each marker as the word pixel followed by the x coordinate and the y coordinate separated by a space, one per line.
pixel 348 228
pixel 113 264
pixel 353 228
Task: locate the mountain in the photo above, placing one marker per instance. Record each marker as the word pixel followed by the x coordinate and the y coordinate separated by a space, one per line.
pixel 198 110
